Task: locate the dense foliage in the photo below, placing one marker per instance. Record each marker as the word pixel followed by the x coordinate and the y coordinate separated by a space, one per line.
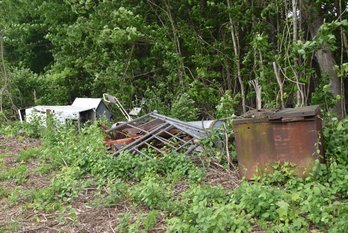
pixel 169 52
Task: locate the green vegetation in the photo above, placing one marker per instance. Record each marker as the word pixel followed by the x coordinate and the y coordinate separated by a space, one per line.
pixel 171 190
pixel 181 57
pixel 189 59
pixel 18 173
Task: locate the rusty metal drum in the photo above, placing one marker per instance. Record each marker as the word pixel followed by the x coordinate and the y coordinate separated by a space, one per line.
pixel 291 135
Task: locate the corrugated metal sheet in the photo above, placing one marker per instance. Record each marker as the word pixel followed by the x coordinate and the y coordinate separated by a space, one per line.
pixel 207 124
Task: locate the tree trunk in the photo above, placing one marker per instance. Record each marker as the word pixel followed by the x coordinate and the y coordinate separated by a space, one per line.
pixel 299 92
pixel 5 91
pixel 324 56
pixel 3 75
pixel 236 54
pixel 181 69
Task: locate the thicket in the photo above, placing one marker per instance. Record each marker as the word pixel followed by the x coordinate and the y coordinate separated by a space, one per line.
pixel 279 202
pixel 174 54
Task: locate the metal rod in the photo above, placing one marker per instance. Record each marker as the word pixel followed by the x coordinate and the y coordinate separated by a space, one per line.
pixel 135 127
pixel 174 136
pixel 187 128
pixel 120 126
pixel 185 144
pixel 190 149
pixel 130 145
pixel 153 136
pixel 138 151
pixel 176 121
pixel 155 119
pixel 165 141
pixel 154 147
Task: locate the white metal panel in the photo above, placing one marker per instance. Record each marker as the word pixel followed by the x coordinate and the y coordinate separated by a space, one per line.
pixel 60 113
pixel 207 124
pixel 87 102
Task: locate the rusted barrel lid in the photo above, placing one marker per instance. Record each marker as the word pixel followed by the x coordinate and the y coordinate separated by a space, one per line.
pixel 284 115
pixel 307 111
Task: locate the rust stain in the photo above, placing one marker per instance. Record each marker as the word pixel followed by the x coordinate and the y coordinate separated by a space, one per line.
pixel 111 142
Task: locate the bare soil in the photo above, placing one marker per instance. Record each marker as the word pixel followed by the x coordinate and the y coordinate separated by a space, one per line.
pixel 13 146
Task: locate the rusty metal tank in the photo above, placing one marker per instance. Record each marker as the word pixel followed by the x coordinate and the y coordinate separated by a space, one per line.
pixel 290 135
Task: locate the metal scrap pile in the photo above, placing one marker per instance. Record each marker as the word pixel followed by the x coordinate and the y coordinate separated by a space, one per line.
pixel 157 133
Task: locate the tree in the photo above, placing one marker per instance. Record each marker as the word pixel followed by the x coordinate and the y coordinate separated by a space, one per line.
pixel 160 49
pixel 5 92
pixel 324 55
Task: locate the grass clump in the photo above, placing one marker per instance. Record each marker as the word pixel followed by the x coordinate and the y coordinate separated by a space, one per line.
pixel 17 174
pixel 29 154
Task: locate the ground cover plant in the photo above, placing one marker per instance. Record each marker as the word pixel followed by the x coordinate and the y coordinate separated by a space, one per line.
pixel 68 182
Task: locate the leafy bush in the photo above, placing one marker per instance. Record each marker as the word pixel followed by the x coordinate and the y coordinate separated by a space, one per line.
pixel 116 190
pixel 66 184
pixel 150 220
pixel 18 129
pixel 151 192
pixel 124 223
pixel 336 140
pixel 137 223
pixel 184 108
pixel 46 199
pixel 26 84
pixel 3 119
pixel 281 174
pixel 207 210
pixel 130 167
pixel 65 147
pixel 227 105
pixel 338 178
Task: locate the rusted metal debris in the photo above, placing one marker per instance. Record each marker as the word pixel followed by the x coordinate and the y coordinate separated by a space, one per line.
pixel 290 135
pixel 158 133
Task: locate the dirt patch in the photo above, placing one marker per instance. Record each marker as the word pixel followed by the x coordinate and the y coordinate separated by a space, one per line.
pixel 13 146
pixel 12 214
pixel 83 219
pixel 229 179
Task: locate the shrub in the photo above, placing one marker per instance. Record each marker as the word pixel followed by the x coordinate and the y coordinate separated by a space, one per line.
pixel 66 184
pixel 207 210
pixel 336 140
pixel 133 167
pixel 184 108
pixel 151 192
pixel 116 190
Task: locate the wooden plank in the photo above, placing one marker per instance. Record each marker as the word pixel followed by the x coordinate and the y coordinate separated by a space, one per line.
pixel 308 111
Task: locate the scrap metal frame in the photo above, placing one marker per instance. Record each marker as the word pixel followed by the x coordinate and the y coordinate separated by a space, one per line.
pixel 160 134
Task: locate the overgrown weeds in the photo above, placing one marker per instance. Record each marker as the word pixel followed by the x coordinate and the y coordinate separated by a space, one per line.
pixel 169 190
